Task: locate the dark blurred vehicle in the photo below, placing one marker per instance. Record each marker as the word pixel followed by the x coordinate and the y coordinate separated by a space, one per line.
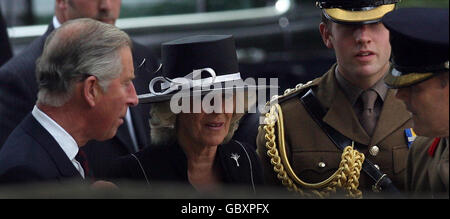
pixel 279 40
pixel 275 38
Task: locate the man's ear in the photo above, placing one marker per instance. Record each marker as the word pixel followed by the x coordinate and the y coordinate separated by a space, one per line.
pixel 326 35
pixel 90 92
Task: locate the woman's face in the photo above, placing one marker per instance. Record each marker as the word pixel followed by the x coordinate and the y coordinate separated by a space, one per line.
pixel 204 129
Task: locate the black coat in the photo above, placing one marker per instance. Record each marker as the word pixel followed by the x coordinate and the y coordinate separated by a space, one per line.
pixel 18 94
pixel 31 154
pixel 168 163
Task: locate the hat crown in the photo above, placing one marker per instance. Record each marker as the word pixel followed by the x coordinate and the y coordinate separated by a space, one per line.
pixel 181 57
pixel 419 39
pixel 353 4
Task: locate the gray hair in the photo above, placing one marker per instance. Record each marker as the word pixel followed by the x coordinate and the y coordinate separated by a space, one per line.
pixel 78 49
pixel 163 124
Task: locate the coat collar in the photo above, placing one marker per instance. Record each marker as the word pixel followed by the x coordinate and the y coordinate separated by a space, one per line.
pixel 232 173
pixel 393 115
pixel 45 140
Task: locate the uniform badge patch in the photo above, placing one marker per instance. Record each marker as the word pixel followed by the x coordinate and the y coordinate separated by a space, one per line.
pixel 410 136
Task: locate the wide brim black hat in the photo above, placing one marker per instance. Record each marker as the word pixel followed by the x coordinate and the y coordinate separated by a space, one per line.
pixel 356 12
pixel 419 39
pixel 196 66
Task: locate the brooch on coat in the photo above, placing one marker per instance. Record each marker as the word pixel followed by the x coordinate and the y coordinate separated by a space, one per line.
pixel 235 157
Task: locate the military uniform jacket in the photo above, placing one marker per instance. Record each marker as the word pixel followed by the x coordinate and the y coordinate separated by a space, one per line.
pixel 312 154
pixel 428 176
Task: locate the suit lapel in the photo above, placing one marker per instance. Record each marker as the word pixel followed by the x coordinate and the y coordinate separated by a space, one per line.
pixel 342 118
pixel 340 113
pixel 50 28
pixel 45 140
pixel 393 115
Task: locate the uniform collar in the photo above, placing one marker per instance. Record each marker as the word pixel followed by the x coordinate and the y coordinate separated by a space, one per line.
pixel 340 116
pixel 353 92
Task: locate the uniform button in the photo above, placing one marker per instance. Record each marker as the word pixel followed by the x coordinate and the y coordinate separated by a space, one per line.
pixel 321 164
pixel 374 150
pixel 376 166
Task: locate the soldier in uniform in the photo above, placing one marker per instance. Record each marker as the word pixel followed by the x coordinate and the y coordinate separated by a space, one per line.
pixel 419 38
pixel 357 106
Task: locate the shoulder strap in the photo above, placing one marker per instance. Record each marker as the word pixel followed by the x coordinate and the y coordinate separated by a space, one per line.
pixel 317 112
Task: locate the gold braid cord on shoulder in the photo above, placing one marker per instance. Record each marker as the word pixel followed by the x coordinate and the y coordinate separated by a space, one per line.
pixel 346 177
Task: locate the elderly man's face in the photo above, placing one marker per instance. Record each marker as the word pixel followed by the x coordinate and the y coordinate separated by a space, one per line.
pixel 428 102
pixel 106 11
pixel 113 104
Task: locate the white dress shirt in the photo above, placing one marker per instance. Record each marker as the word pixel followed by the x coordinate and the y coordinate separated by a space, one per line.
pixel 56 23
pixel 64 139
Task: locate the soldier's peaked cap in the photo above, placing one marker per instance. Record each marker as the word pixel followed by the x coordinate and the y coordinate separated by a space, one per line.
pixel 419 39
pixel 356 11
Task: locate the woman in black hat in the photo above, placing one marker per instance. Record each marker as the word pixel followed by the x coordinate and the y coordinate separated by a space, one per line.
pixel 196 106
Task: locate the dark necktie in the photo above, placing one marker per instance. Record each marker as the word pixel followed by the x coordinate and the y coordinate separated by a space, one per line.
pixel 368 117
pixel 82 159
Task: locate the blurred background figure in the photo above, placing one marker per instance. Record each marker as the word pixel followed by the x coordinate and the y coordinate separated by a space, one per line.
pixel 419 39
pixel 85 88
pixel 5 47
pixel 195 147
pixel 18 87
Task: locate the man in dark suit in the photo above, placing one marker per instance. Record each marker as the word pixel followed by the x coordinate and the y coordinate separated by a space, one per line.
pixel 18 86
pixel 5 47
pixel 85 85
